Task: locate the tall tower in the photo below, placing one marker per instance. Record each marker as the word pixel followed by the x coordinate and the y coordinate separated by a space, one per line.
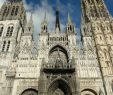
pixel 13 10
pixel 70 25
pixel 12 21
pixel 44 25
pixel 97 30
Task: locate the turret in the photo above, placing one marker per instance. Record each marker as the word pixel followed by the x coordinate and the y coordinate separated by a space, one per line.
pixel 44 25
pixel 96 34
pixel 13 10
pixel 94 9
pixel 29 28
pixel 70 26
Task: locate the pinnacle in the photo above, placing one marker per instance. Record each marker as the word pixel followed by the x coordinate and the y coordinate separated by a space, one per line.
pixel 69 18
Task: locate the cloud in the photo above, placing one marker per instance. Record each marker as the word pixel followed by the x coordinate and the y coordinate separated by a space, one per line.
pixel 38 16
pixel 39 10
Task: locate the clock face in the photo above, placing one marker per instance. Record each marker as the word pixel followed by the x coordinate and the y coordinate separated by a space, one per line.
pixel 30 92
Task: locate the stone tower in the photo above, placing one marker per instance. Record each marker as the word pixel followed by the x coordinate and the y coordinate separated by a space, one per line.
pixel 97 31
pixel 12 19
pixel 13 10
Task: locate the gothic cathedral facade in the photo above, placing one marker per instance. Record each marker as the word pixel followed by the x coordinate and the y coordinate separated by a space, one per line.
pixel 59 64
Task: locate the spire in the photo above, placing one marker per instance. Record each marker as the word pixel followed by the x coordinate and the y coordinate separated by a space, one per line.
pixel 69 17
pixel 70 25
pixel 45 15
pixel 97 11
pixel 57 26
pixel 29 29
pixel 44 24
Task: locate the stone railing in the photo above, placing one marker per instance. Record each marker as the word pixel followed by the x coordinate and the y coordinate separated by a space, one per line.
pixel 53 66
pixel 59 67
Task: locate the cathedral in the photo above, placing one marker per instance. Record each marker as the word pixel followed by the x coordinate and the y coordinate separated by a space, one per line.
pixel 59 64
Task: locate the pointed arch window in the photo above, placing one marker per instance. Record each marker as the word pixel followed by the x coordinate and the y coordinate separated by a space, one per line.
pixel 100 38
pixel 44 27
pixel 58 54
pixel 110 37
pixel 107 28
pixel 13 10
pixel 16 10
pixel 1 30
pixel 97 1
pixel 10 31
pixel 103 11
pixel 5 11
pixel 105 54
pixel 70 28
pixel 29 28
pixel 88 1
pixel 3 47
pixel 8 45
pixel 92 11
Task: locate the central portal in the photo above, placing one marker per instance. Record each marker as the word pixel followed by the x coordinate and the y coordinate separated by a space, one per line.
pixel 59 87
pixel 58 76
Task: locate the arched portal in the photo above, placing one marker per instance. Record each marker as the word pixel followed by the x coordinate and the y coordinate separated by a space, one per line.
pixel 88 92
pixel 30 92
pixel 59 87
